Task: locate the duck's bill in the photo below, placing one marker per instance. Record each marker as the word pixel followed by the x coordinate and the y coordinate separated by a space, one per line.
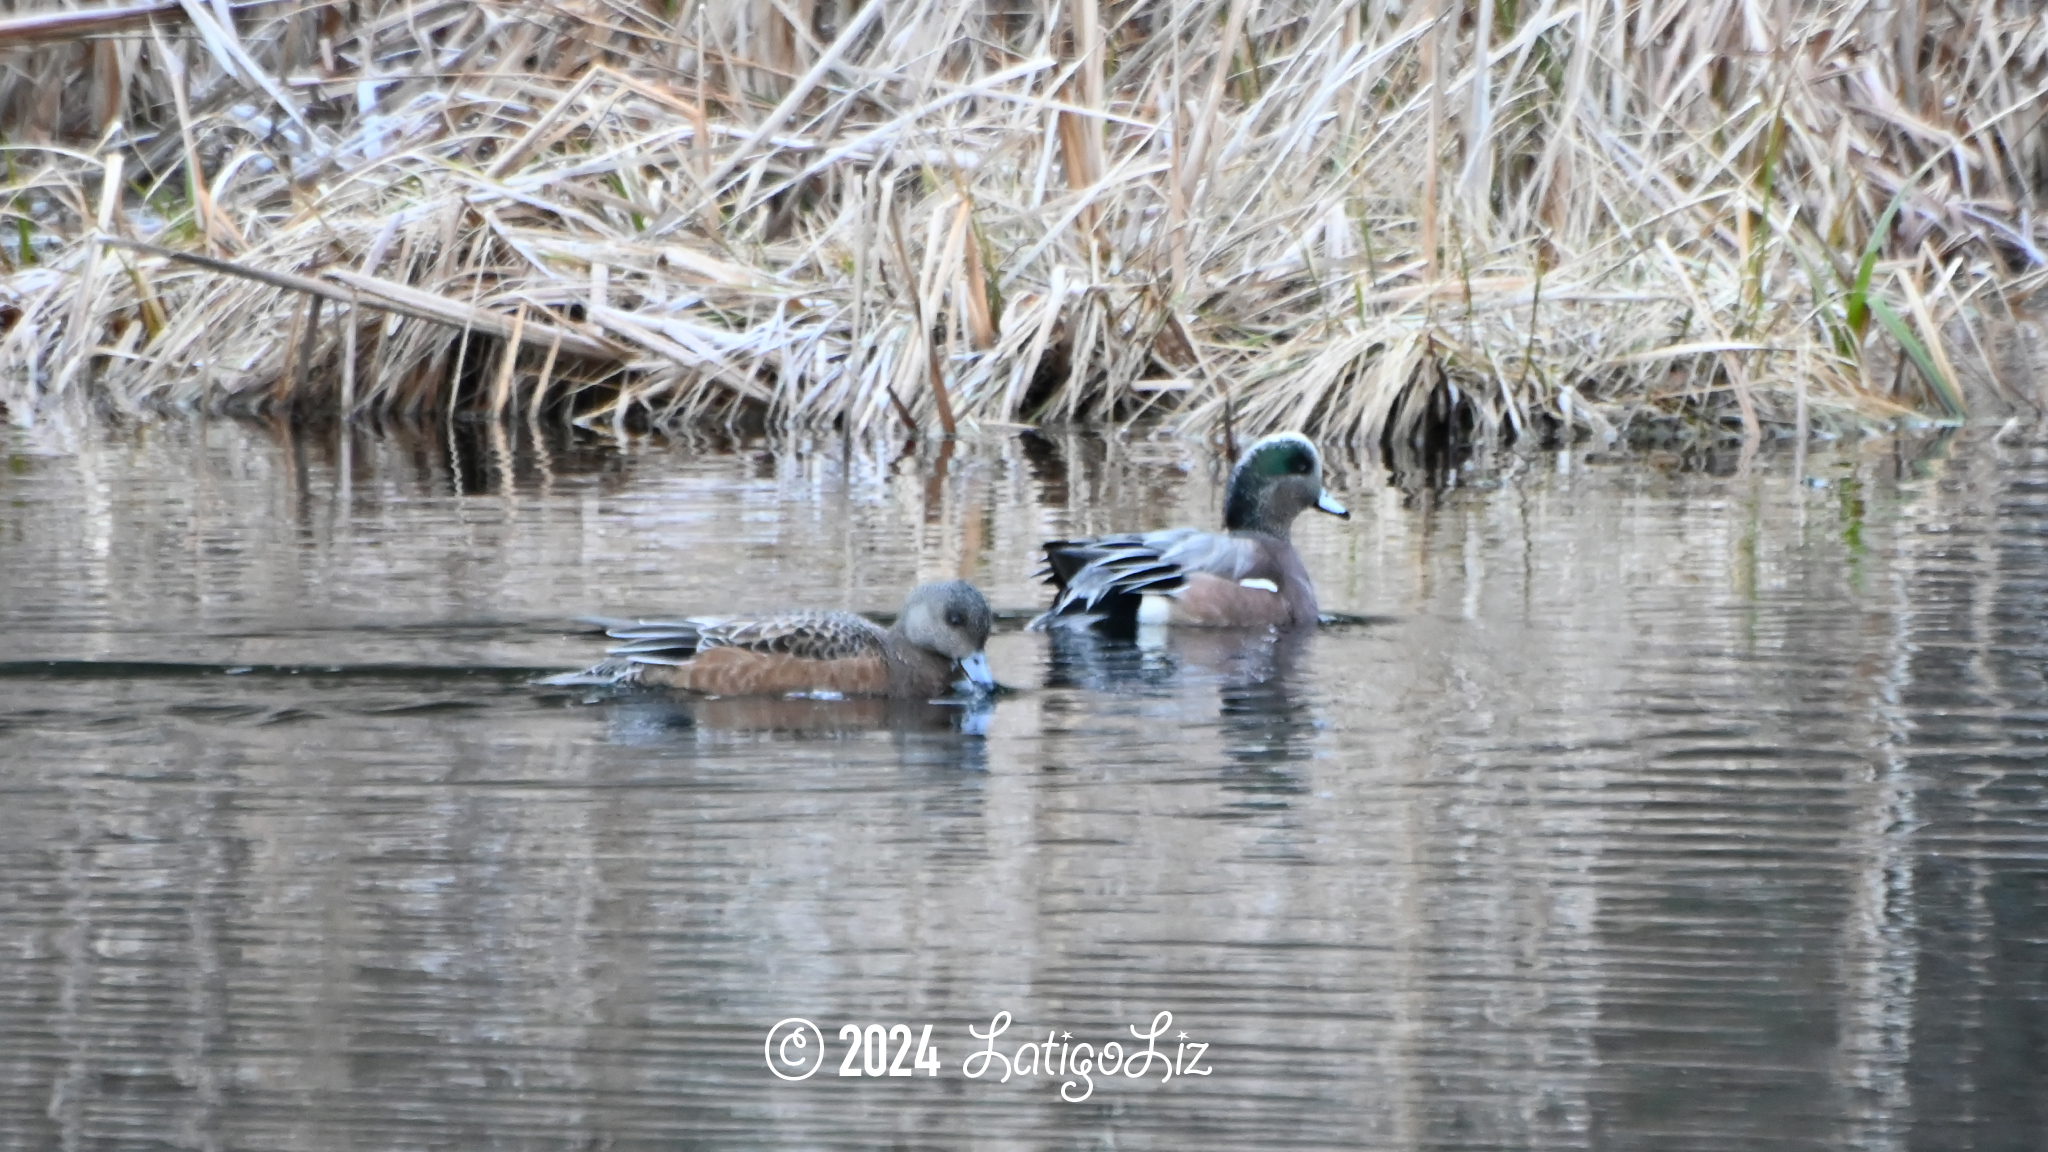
pixel 1328 503
pixel 975 669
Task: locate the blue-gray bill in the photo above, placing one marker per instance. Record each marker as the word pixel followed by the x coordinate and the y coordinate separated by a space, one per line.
pixel 976 673
pixel 1328 503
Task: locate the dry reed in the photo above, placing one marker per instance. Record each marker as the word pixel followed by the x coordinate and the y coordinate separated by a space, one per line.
pixel 1367 220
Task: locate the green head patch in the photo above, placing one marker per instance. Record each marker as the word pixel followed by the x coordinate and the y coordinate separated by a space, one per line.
pixel 1271 459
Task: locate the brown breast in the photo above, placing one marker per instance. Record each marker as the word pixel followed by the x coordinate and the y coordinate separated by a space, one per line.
pixel 1215 602
pixel 739 672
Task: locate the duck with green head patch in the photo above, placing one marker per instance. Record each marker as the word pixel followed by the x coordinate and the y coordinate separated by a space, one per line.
pixel 1246 576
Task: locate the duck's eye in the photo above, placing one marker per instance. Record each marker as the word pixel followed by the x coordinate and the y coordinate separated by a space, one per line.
pixel 954 620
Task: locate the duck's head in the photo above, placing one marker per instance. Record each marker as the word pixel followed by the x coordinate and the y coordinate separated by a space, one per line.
pixel 1277 479
pixel 951 619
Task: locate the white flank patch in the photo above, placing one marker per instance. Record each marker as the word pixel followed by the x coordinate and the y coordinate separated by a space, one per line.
pixel 1255 582
pixel 1155 609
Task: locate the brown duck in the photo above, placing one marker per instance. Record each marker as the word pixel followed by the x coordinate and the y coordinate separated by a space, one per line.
pixel 935 644
pixel 1246 576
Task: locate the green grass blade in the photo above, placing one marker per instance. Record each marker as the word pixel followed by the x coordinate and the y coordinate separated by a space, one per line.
pixel 1944 389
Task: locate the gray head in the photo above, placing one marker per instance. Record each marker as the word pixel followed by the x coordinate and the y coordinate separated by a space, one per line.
pixel 1275 480
pixel 952 619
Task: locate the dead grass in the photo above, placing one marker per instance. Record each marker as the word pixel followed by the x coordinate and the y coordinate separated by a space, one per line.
pixel 1345 218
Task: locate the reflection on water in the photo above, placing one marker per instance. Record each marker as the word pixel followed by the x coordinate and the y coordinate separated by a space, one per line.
pixel 1651 808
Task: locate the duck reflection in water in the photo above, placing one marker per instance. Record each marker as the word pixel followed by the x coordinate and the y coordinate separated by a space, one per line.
pixel 656 719
pixel 1264 722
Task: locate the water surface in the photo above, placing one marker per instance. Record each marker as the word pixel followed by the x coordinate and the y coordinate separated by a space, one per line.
pixel 1648 807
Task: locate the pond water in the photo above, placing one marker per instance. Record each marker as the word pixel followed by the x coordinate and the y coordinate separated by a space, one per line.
pixel 1650 804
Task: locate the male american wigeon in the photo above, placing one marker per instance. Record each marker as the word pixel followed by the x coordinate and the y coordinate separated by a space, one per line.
pixel 1246 576
pixel 936 643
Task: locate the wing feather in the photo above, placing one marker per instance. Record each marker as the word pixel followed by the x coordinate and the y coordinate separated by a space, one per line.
pixel 808 636
pixel 1090 573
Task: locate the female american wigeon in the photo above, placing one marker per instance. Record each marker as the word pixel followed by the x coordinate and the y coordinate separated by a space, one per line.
pixel 936 643
pixel 1246 576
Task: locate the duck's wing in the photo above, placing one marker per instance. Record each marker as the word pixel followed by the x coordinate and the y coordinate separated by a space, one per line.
pixel 1217 553
pixel 1092 575
pixel 804 635
pixel 674 643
